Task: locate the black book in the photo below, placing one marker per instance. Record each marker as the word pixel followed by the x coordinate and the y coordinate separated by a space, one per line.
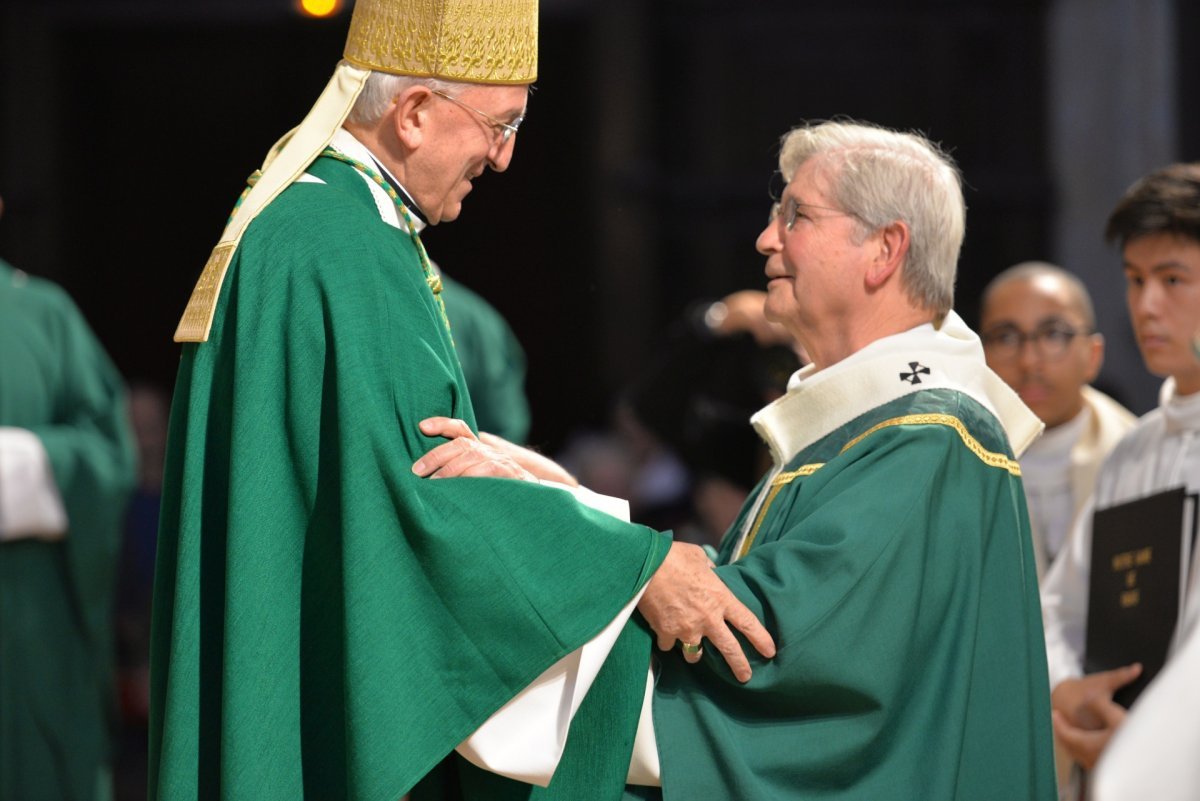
pixel 1140 555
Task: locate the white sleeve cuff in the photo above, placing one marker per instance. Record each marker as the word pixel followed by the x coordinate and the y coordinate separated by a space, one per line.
pixel 30 503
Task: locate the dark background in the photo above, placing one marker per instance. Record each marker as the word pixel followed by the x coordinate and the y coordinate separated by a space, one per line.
pixel 640 179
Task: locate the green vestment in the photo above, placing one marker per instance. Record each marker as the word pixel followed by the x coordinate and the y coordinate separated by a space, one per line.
pixel 56 598
pixel 326 624
pixel 891 560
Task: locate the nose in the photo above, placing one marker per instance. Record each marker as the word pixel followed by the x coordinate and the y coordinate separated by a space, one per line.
pixel 500 156
pixel 1027 353
pixel 1147 299
pixel 768 241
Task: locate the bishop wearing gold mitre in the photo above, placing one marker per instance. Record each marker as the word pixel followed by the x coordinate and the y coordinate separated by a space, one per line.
pixel 328 624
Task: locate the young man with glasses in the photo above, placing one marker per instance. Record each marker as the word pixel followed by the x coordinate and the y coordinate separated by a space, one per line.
pixel 1038 332
pixel 1157 226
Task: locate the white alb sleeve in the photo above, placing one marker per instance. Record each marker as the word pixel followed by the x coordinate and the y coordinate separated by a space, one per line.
pixel 1065 600
pixel 30 503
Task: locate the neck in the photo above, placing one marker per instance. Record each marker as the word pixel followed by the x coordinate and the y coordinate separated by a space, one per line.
pixel 830 347
pixel 386 149
pixel 391 167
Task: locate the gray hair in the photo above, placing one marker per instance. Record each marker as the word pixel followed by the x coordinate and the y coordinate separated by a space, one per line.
pixel 381 89
pixel 1030 270
pixel 883 176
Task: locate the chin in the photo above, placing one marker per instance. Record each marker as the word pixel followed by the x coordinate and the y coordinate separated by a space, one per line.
pixel 450 213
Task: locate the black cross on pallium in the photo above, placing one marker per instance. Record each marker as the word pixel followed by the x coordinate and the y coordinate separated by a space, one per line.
pixel 914 377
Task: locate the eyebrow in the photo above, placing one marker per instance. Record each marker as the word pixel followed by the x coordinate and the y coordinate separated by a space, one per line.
pixel 1161 266
pixel 1053 319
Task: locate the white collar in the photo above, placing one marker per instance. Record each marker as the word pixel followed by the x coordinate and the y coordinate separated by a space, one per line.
pixel 925 357
pixel 1181 412
pixel 348 144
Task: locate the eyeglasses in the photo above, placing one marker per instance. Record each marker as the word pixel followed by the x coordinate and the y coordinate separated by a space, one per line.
pixel 789 209
pixel 504 130
pixel 1050 342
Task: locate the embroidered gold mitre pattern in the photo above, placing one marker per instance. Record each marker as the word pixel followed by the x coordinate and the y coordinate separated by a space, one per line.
pixel 478 41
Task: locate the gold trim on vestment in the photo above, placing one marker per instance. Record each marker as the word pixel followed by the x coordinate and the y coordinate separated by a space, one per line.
pixel 783 479
pixel 987 457
pixel 779 482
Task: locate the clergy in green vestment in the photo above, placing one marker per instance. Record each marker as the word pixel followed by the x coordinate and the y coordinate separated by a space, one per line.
pixel 888 549
pixel 67 467
pixel 327 623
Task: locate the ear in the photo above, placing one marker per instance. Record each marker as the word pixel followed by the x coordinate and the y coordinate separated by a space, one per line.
pixel 892 248
pixel 1095 357
pixel 410 115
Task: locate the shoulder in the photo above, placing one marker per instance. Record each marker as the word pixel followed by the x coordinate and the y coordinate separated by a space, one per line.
pixel 1109 413
pixel 1144 437
pixel 942 421
pixel 36 296
pixel 317 230
pixel 309 212
pixel 939 412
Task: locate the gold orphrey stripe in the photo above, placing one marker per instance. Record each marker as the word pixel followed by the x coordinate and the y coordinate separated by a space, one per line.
pixel 989 458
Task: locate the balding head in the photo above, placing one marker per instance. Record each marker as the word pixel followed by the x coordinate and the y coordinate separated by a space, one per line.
pixel 1037 325
pixel 1046 273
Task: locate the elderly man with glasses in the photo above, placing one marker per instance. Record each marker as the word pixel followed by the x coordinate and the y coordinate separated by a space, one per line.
pixel 326 623
pixel 1039 335
pixel 887 550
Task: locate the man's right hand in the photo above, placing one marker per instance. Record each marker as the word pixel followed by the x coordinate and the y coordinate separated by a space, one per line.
pixel 1085 716
pixel 686 601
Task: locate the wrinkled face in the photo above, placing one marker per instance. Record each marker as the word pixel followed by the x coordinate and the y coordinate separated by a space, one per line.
pixel 813 271
pixel 1162 280
pixel 460 144
pixel 1036 338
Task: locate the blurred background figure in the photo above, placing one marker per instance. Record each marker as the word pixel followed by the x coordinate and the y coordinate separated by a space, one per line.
pixel 722 362
pixel 492 360
pixel 67 465
pixel 1039 335
pixel 149 407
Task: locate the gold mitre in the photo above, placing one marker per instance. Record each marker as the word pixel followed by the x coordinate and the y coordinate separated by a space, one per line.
pixel 478 41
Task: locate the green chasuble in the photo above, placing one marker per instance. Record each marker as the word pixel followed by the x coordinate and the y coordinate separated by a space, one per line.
pixel 889 555
pixel 326 624
pixel 56 597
